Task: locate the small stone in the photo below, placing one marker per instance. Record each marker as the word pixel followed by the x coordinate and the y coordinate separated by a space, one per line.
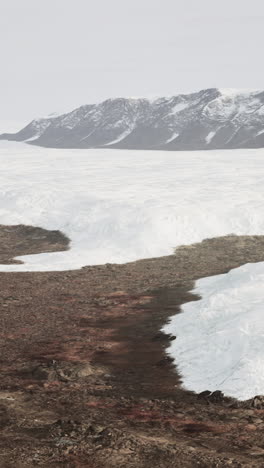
pixel 249 412
pixel 258 421
pixel 204 394
pixel 180 415
pixel 250 427
pixel 172 338
pixel 258 401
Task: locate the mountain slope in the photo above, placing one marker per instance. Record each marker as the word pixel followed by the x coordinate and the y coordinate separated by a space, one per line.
pixel 209 119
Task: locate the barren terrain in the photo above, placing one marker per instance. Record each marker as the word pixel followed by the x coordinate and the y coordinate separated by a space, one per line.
pixel 85 379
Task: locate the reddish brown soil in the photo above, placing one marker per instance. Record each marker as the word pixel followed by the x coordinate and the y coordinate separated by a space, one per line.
pixel 85 381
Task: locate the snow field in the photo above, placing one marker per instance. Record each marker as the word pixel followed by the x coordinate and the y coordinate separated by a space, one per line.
pixel 120 206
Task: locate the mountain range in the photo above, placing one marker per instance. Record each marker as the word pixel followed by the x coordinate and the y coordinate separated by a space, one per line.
pixel 208 119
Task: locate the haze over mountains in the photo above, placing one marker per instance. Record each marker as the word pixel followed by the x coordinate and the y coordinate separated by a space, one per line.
pixel 208 119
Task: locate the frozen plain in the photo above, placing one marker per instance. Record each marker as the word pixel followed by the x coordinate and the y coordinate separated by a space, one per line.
pixel 119 206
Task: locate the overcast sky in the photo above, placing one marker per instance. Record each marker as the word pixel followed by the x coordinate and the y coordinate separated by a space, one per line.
pixel 59 54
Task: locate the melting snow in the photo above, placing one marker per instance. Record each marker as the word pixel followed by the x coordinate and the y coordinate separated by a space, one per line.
pixel 220 338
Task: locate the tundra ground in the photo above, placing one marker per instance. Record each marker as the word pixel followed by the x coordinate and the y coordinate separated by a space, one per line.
pixel 85 379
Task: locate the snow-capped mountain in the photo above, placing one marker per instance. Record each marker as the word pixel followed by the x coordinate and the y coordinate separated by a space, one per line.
pixel 209 119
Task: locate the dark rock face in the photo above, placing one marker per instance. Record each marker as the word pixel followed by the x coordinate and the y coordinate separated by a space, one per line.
pixel 209 119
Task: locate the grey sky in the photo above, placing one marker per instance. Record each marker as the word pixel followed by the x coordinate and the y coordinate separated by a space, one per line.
pixel 59 54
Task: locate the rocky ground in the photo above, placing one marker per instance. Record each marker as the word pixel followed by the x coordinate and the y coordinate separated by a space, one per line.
pixel 85 380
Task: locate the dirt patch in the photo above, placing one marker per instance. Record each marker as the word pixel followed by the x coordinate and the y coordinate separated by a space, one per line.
pixel 85 380
pixel 27 240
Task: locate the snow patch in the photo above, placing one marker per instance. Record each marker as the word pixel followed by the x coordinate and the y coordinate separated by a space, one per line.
pixel 233 92
pixel 220 338
pixel 35 137
pixel 179 107
pixel 209 137
pixel 173 137
pixel 120 138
